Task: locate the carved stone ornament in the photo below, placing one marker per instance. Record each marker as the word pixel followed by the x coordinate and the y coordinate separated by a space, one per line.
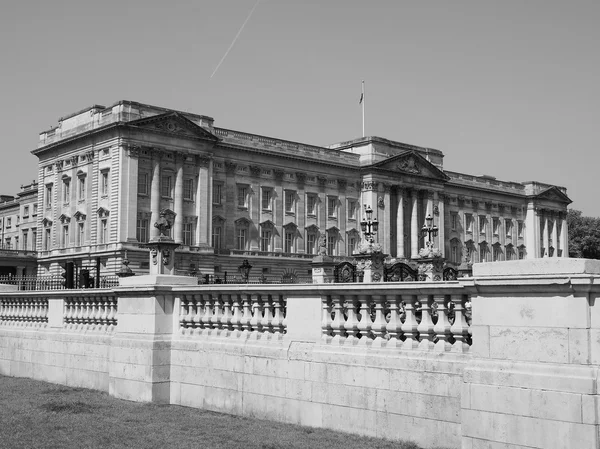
pixel 300 177
pixel 369 185
pixel 380 203
pixel 436 210
pixel 322 244
pixel 165 222
pixel 230 167
pixel 409 165
pixel 279 174
pixel 255 170
pixel 342 183
pixel 154 253
pixel 133 150
pixel 202 160
pixel 59 165
pixel 166 254
pixel 89 155
pixel 322 180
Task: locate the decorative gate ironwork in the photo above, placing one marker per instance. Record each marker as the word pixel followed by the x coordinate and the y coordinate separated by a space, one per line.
pixel 344 272
pixel 450 274
pixel 400 272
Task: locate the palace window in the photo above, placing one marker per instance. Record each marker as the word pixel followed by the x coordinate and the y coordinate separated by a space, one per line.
pixel 103 231
pixel 241 238
pixel 35 208
pixel 48 200
pixel 352 243
pixel 469 223
pixel 80 233
pixel 217 233
pixel 454 221
pixel 81 187
pixel 266 238
pixel 496 225
pixel 24 241
pixel 290 202
pixel 8 222
pixel 483 252
pixel 289 241
pixel 510 252
pixel 188 189
pixel 332 205
pixel 166 186
pixel 66 190
pixel 521 252
pixel 266 198
pixel 312 234
pixel 217 197
pixel 509 227
pixel 332 242
pixel 47 239
pixel 242 196
pixel 455 251
pixel 141 233
pixel 520 229
pixel 496 252
pixel 25 211
pixel 65 235
pixel 143 188
pixel 311 204
pixel 482 224
pixel 188 233
pixel 352 208
pixel 33 239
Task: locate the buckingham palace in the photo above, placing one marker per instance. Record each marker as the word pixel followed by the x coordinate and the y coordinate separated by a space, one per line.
pixel 105 174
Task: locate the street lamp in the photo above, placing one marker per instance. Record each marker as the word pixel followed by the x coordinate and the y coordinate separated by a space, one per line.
pixel 244 269
pixel 369 227
pixel 428 230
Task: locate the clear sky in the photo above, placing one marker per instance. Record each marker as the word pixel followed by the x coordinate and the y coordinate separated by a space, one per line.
pixel 508 88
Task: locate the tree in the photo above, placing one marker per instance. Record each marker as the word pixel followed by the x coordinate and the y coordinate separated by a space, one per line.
pixel 584 235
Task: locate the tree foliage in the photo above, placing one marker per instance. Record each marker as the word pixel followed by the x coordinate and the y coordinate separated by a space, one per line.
pixel 584 235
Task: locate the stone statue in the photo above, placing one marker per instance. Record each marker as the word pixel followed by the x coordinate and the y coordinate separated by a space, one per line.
pixel 322 244
pixel 164 223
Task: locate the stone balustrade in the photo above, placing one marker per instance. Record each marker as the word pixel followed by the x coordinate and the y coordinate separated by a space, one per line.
pixel 232 314
pixel 24 311
pixel 90 312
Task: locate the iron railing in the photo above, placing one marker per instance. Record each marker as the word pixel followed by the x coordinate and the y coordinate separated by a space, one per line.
pixel 53 282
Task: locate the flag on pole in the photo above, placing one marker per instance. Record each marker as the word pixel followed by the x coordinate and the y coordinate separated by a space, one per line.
pixel 361 98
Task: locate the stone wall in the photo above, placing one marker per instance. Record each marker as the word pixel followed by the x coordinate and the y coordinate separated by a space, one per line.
pixel 389 360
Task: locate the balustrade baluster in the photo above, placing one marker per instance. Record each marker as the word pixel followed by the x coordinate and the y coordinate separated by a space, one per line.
pixel 208 312
pixel 442 327
pixel 256 320
pixel 186 318
pixel 267 318
pixel 338 322
pixel 364 325
pixel 226 316
pixel 112 314
pixel 236 316
pixel 378 328
pixel 425 327
pixel 394 325
pixel 87 312
pixel 460 328
pixel 215 320
pixel 247 315
pixel 409 327
pixel 104 314
pixel 351 325
pixel 277 321
pixel 198 305
pixel 326 318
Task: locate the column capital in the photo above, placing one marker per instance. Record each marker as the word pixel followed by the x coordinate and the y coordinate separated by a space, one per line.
pixel 279 174
pixel 203 160
pixel 255 170
pixel 369 185
pixel 230 167
pixel 342 183
pixel 300 177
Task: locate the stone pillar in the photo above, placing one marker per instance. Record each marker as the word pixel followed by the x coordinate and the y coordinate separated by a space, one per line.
pixel 414 225
pixel 178 225
pixel 383 207
pixel 532 229
pixel 204 201
pixel 127 195
pixel 400 224
pixel 545 239
pixel 438 199
pixel 564 235
pixel 554 235
pixel 155 194
pixel 279 211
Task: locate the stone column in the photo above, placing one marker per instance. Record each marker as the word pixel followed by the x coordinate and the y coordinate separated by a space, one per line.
pixel 127 194
pixel 532 229
pixel 155 194
pixel 564 235
pixel 204 201
pixel 400 224
pixel 554 234
pixel 545 239
pixel 441 243
pixel 178 225
pixel 385 218
pixel 279 211
pixel 414 225
pixel 301 211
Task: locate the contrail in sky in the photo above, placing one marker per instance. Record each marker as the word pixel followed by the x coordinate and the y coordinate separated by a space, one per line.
pixel 235 38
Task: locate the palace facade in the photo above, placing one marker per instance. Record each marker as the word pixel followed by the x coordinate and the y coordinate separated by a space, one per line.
pixel 105 173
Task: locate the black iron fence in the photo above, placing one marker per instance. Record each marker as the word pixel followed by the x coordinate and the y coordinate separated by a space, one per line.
pixel 264 279
pixel 52 282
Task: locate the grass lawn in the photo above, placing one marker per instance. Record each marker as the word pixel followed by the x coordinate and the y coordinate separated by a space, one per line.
pixel 36 414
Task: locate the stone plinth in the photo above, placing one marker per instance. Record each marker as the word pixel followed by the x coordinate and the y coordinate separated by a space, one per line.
pixel 162 255
pixel 371 265
pixel 431 269
pixel 322 269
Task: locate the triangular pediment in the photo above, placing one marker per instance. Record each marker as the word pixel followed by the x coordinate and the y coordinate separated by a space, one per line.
pixel 410 163
pixel 554 194
pixel 174 123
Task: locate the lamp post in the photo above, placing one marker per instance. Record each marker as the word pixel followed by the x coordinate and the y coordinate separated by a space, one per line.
pixel 428 230
pixel 244 270
pixel 431 264
pixel 369 227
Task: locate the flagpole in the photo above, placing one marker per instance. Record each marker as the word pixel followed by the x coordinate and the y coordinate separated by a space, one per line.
pixel 363 107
